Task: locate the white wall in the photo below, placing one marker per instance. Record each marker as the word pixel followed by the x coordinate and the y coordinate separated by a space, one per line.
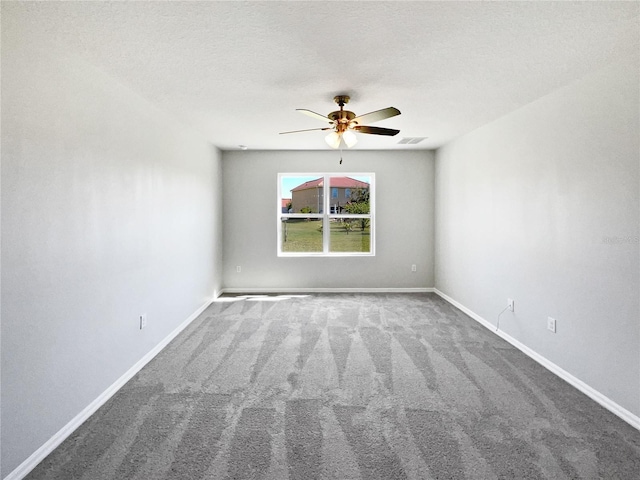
pixel 404 221
pixel 524 208
pixel 110 209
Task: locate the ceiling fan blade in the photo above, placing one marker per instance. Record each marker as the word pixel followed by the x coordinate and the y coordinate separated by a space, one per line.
pixel 307 130
pixel 324 118
pixel 376 130
pixel 377 115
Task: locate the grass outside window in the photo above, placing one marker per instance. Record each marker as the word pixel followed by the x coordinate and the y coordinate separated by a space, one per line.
pixel 306 235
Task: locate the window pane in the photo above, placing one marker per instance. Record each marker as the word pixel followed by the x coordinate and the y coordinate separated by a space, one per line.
pixel 301 194
pixel 301 235
pixel 350 235
pixel 350 194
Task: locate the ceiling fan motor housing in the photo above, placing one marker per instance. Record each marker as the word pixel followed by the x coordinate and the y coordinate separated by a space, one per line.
pixel 342 118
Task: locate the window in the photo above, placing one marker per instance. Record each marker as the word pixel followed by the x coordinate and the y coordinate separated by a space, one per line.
pixel 331 214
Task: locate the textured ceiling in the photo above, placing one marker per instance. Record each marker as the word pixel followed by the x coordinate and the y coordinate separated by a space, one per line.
pixel 236 71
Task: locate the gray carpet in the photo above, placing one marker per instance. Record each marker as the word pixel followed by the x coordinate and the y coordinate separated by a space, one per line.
pixel 341 386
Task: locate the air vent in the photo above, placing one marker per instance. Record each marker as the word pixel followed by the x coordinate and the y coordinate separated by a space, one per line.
pixel 411 140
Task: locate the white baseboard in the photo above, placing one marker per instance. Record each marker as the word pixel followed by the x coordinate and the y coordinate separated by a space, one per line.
pixel 589 391
pixel 36 457
pixel 250 291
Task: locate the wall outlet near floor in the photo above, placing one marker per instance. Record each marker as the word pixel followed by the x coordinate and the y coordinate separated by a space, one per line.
pixel 143 321
pixel 511 304
pixel 551 324
pixel 238 269
pixel 414 268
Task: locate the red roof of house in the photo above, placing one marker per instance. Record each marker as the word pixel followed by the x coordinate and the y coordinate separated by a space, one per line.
pixel 285 201
pixel 340 182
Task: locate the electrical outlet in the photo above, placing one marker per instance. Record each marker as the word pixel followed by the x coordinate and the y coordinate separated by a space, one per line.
pixel 511 304
pixel 143 321
pixel 238 269
pixel 551 324
pixel 414 268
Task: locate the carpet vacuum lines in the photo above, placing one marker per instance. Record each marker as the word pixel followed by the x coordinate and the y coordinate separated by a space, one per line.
pixel 346 387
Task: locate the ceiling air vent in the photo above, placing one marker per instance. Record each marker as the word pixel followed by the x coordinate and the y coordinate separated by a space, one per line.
pixel 411 140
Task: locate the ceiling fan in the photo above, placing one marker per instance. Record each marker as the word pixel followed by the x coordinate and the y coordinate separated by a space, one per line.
pixel 343 123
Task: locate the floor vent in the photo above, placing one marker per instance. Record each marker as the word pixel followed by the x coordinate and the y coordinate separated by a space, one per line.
pixel 411 140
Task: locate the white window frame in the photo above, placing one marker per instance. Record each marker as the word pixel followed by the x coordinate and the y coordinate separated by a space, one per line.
pixel 327 216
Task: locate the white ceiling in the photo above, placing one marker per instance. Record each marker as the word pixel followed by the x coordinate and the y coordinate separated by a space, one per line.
pixel 236 71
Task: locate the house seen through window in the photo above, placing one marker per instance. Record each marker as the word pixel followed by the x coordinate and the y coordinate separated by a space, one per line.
pixel 325 214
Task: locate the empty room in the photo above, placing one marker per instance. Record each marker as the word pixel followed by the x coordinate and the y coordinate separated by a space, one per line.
pixel 320 240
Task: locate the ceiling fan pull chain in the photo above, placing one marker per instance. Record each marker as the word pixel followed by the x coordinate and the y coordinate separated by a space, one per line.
pixel 341 154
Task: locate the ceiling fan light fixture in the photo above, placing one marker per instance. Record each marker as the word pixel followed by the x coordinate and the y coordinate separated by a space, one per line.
pixel 333 139
pixel 349 138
